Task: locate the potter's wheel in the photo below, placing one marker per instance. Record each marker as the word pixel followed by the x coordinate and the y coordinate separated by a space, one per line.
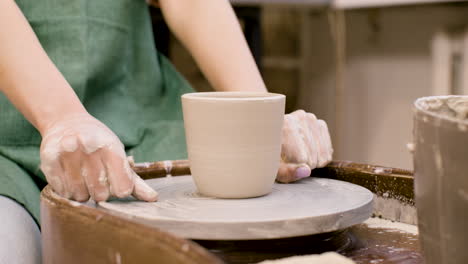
pixel 311 206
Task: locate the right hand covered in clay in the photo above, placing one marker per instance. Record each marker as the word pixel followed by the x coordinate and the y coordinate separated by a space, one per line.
pixel 82 158
pixel 306 145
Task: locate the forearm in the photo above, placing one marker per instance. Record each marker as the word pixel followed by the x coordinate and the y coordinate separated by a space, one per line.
pixel 27 76
pixel 210 31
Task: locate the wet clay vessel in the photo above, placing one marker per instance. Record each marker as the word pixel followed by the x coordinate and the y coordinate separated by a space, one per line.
pixel 233 141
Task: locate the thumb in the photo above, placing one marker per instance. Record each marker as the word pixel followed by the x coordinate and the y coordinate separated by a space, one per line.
pixel 291 172
pixel 143 192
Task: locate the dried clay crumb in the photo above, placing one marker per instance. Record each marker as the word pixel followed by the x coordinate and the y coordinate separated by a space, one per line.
pixel 325 258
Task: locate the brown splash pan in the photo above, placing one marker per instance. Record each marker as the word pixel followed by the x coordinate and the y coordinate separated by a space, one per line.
pixel 80 233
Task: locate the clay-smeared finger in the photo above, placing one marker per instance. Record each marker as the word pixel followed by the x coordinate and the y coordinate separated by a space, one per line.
pixel 143 192
pixel 71 159
pixel 119 173
pixel 292 145
pixel 310 134
pixel 54 173
pixel 291 172
pixel 315 131
pixel 327 149
pixel 95 176
pixel 51 166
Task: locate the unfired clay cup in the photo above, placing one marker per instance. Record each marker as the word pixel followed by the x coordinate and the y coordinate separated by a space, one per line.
pixel 233 141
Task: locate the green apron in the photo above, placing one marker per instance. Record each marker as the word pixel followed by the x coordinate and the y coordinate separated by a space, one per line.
pixel 105 50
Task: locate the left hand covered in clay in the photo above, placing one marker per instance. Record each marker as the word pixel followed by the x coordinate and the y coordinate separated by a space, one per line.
pixel 306 145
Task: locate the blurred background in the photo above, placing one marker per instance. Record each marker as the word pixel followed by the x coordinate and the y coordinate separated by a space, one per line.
pixel 358 64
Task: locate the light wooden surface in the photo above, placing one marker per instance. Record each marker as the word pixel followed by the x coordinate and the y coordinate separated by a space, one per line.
pixel 311 206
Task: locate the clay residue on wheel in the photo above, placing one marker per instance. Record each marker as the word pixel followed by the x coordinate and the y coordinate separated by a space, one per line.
pixel 455 107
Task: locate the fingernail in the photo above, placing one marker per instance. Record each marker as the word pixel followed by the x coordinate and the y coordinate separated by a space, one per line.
pixel 144 192
pixel 152 196
pixel 101 196
pixel 302 172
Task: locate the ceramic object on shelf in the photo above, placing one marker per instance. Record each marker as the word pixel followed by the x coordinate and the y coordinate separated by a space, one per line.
pixel 233 141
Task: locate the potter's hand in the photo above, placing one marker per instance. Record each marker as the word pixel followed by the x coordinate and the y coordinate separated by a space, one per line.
pixel 83 158
pixel 306 145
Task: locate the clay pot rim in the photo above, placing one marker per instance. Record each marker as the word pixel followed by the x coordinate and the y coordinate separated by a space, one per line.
pixel 418 106
pixel 233 96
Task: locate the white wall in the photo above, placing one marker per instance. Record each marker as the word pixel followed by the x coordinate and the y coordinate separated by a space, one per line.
pixel 388 67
